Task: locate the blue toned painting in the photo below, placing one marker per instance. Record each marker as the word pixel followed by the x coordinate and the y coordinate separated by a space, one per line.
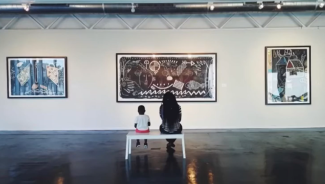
pixel 37 77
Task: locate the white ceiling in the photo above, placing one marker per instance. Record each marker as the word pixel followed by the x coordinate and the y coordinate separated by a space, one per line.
pixel 133 1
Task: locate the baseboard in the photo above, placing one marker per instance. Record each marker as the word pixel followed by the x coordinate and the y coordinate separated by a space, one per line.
pixel 82 132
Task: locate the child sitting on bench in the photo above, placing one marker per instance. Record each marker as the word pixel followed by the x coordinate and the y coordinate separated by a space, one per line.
pixel 142 123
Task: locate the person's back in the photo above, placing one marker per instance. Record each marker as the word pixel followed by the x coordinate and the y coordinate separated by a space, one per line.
pixel 171 116
pixel 141 122
pixel 166 123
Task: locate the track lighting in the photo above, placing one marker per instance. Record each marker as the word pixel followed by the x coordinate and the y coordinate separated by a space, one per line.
pixel 261 6
pixel 172 8
pixel 132 8
pixel 26 7
pixel 321 5
pixel 278 6
pixel 210 6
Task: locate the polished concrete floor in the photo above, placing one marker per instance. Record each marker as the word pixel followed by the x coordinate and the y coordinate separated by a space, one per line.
pixel 219 158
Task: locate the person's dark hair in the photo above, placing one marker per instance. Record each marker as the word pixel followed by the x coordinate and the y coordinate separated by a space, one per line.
pixel 141 109
pixel 170 109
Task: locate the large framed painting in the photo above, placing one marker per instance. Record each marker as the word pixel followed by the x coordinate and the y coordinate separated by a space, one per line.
pixel 147 77
pixel 37 77
pixel 287 75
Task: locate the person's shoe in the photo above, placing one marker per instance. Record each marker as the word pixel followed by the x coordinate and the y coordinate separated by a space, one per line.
pixel 145 145
pixel 168 145
pixel 138 144
pixel 170 150
pixel 171 145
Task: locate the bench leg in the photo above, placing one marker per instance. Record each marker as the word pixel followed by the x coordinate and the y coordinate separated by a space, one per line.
pixel 130 144
pixel 183 145
pixel 184 169
pixel 127 148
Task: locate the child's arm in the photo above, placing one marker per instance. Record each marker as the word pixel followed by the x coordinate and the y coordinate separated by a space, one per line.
pixel 135 122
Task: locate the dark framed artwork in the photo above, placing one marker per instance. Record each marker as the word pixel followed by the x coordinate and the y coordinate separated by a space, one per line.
pixel 147 77
pixel 37 77
pixel 288 75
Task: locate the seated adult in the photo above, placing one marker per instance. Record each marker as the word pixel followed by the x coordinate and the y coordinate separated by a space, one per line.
pixel 171 116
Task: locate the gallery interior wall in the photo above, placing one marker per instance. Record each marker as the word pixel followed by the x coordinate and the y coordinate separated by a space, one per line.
pixel 91 102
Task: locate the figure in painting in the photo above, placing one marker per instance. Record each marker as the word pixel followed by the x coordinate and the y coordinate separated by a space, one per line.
pixel 289 68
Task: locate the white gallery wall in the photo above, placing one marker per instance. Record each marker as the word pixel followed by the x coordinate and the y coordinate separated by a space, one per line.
pixel 91 102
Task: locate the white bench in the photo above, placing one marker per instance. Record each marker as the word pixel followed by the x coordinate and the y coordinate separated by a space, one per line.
pixel 152 135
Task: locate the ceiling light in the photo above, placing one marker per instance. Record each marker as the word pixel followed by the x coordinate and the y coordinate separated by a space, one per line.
pixel 26 7
pixel 261 6
pixel 321 5
pixel 132 8
pixel 278 6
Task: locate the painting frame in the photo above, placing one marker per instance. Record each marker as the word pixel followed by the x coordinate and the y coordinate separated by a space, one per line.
pixel 308 61
pixel 65 80
pixel 118 100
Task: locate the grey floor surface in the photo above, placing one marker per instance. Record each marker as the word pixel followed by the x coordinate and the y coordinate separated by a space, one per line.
pixel 218 158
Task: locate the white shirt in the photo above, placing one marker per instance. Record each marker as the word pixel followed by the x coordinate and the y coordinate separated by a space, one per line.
pixel 142 122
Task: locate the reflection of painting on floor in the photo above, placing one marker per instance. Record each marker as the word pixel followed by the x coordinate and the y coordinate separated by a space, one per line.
pixel 288 75
pixel 36 77
pixel 144 77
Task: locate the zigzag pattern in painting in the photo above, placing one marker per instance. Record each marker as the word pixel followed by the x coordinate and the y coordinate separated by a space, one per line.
pixel 158 92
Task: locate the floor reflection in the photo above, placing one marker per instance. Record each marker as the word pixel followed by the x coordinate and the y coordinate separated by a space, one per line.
pixel 168 168
pixel 192 172
pixel 158 169
pixel 44 171
pixel 287 166
pixel 203 168
pixel 215 158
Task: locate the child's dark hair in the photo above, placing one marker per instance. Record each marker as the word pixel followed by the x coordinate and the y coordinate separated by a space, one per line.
pixel 141 109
